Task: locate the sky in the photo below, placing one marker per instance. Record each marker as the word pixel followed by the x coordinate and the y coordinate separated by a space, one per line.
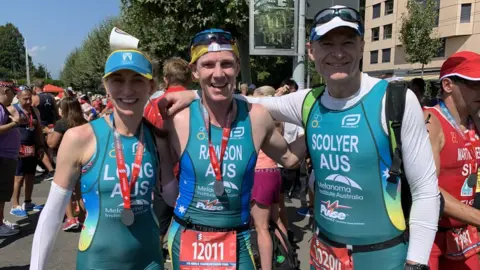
pixel 54 28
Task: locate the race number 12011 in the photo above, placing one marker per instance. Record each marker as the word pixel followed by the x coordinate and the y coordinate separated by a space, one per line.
pixel 208 250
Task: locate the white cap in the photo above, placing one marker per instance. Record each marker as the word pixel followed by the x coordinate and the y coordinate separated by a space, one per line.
pixel 336 22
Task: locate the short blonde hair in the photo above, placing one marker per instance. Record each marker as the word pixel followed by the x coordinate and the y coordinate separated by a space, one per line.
pixel 177 72
pixel 266 90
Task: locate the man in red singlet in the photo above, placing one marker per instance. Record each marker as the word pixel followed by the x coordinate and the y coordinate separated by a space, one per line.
pixel 177 77
pixel 456 150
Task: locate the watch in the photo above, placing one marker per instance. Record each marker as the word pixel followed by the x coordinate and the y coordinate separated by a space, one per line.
pixel 416 267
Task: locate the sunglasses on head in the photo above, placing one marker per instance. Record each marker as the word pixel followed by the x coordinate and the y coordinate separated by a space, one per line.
pixel 206 38
pixel 345 13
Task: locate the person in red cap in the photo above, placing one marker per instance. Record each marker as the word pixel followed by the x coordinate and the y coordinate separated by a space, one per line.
pixel 456 150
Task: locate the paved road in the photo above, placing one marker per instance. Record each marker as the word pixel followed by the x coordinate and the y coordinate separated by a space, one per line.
pixel 15 250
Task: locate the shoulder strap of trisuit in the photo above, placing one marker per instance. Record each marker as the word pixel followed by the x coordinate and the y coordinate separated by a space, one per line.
pixel 394 110
pixel 308 102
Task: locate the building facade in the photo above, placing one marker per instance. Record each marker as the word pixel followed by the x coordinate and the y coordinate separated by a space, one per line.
pixel 458 27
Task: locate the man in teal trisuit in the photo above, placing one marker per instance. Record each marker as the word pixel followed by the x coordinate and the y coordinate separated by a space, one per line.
pixel 359 222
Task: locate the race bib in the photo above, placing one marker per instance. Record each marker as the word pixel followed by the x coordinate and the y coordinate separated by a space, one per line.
pixel 325 257
pixel 462 243
pixel 208 250
pixel 27 151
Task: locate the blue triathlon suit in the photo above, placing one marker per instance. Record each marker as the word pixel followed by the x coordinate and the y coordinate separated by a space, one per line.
pixel 354 202
pixel 105 242
pixel 197 202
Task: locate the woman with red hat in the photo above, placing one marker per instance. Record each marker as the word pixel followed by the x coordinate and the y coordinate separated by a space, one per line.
pixel 456 150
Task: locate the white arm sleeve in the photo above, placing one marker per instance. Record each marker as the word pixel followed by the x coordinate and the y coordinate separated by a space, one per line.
pixel 48 225
pixel 420 171
pixel 286 108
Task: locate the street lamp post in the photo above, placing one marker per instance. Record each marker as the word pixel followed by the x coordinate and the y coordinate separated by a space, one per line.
pixel 26 63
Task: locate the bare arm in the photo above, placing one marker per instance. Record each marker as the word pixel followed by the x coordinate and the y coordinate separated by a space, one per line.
pixel 54 139
pixel 38 128
pixel 459 211
pixel 7 127
pixel 437 139
pixel 275 146
pixel 167 183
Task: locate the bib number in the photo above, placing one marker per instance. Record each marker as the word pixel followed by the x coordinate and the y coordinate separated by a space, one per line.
pixel 324 257
pixel 27 151
pixel 208 250
pixel 462 243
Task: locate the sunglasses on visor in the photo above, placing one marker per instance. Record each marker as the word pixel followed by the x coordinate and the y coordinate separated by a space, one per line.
pixel 346 14
pixel 206 38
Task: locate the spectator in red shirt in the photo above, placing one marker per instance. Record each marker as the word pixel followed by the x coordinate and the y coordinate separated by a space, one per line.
pixel 177 77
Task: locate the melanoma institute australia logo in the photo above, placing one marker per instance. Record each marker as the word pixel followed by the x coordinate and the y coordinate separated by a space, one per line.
pixel 127 57
pixel 340 187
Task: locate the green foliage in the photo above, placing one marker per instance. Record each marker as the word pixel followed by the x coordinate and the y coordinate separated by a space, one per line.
pixel 41 72
pixel 416 34
pixel 12 53
pixel 165 27
pixel 270 70
pixel 84 67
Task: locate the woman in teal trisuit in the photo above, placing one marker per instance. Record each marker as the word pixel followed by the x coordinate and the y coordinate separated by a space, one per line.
pixel 120 230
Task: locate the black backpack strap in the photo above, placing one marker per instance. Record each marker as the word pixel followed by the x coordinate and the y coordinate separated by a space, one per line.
pixel 395 108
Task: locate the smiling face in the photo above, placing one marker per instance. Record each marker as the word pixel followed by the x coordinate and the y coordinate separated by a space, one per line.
pixel 337 54
pixel 217 73
pixel 129 91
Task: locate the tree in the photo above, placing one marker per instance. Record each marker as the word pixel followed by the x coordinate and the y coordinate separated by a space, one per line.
pixel 41 72
pixel 271 70
pixel 166 27
pixel 419 40
pixel 84 67
pixel 12 53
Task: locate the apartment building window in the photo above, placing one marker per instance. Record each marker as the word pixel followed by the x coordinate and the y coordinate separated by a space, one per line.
pixel 375 33
pixel 437 17
pixel 387 31
pixel 465 13
pixel 376 11
pixel 388 7
pixel 441 49
pixel 374 57
pixel 386 55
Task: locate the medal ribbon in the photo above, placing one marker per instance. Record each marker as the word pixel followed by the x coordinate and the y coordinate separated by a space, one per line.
pixel 29 117
pixel 122 172
pixel 471 132
pixel 225 137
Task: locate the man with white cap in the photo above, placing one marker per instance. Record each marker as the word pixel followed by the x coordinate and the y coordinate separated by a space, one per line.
pixel 456 151
pixel 358 212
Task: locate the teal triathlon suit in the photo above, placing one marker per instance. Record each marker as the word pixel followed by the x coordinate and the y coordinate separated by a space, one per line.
pixel 197 203
pixel 105 242
pixel 354 203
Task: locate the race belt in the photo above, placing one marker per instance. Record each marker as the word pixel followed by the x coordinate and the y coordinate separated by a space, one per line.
pixel 400 239
pixel 202 228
